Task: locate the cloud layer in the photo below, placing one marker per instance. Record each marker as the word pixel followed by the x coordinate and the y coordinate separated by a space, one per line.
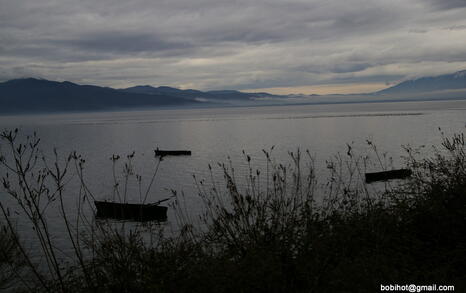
pixel 217 44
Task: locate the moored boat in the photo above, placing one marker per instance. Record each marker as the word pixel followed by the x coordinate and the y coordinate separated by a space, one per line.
pixel 161 153
pixel 130 211
pixel 387 175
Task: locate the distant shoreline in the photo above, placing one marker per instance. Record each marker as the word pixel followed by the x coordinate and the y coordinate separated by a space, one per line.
pixel 223 106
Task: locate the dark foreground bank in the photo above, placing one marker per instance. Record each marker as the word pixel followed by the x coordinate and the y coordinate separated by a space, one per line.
pixel 268 234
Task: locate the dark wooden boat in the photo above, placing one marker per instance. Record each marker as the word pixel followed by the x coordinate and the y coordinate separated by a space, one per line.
pixel 130 211
pixel 387 175
pixel 162 153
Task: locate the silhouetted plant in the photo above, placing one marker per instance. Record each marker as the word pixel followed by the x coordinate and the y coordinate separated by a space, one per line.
pixel 275 230
pixel 11 261
pixel 36 184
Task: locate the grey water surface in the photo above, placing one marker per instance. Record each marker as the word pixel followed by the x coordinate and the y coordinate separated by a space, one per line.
pixel 214 134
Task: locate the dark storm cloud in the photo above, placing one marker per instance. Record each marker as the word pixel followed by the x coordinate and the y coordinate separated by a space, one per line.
pixel 123 42
pixel 335 68
pixel 448 4
pixel 238 44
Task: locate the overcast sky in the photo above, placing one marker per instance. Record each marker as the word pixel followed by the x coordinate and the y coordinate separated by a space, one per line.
pixel 309 46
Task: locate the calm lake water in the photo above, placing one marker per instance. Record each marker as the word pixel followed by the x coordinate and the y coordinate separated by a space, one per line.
pixel 214 134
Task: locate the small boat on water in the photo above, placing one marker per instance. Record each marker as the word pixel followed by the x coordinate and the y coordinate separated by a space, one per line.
pixel 161 153
pixel 131 211
pixel 387 175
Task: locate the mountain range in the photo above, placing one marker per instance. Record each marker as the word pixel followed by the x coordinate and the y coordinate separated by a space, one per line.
pixel 212 96
pixel 38 95
pixel 31 95
pixel 451 81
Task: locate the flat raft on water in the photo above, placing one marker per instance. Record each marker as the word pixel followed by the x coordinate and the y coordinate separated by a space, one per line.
pixel 387 175
pixel 130 211
pixel 162 153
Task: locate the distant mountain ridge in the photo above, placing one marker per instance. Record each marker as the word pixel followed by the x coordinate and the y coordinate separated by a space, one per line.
pixel 221 95
pixel 31 95
pixel 150 90
pixel 450 81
